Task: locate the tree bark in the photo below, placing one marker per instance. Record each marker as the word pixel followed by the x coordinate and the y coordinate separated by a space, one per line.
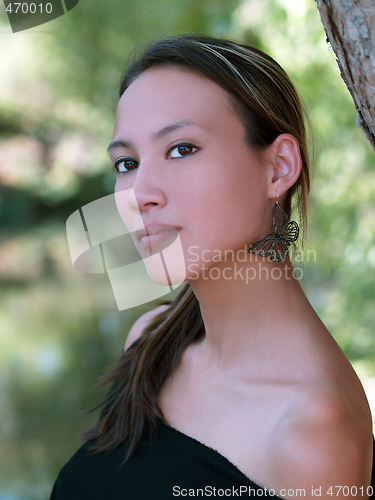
pixel 350 29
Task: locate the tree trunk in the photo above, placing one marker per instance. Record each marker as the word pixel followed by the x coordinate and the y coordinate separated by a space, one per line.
pixel 350 29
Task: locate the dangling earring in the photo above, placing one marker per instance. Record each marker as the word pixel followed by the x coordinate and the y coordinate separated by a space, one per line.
pixel 284 232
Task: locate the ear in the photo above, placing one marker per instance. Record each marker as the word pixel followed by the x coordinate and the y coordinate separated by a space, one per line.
pixel 284 162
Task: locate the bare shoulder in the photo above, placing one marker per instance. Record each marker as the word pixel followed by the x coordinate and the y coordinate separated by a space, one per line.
pixel 142 322
pixel 323 440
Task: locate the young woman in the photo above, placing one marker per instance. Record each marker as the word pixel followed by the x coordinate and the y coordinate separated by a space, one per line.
pixel 236 388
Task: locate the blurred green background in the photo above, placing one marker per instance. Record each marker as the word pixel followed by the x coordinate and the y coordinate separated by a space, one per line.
pixel 59 330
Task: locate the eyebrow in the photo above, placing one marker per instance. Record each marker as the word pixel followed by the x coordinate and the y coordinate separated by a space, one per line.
pixel 122 143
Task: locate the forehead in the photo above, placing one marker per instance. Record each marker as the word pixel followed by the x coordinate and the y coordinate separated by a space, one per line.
pixel 169 94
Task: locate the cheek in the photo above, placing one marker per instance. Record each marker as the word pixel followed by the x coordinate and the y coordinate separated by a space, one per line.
pixel 229 218
pixel 127 208
pixel 227 210
pixel 122 204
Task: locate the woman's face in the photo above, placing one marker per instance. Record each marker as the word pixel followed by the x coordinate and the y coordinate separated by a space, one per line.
pixel 188 185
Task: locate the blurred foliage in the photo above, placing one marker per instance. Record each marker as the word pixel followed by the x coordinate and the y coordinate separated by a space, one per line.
pixel 58 93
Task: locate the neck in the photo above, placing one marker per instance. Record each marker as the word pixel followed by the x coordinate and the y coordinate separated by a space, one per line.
pixel 247 308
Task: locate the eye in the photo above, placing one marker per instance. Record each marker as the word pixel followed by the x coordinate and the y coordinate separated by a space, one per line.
pixel 180 150
pixel 123 165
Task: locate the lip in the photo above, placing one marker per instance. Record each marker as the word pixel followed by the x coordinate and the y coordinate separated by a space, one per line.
pixel 156 236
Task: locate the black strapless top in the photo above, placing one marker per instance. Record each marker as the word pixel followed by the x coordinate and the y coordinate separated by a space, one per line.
pixel 173 465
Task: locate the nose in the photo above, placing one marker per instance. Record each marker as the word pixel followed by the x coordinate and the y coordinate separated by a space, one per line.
pixel 147 190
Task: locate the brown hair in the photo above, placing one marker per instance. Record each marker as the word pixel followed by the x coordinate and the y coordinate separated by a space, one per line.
pixel 269 105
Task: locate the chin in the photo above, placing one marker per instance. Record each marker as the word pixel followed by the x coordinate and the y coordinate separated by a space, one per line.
pixel 160 276
pixel 167 267
pixel 163 274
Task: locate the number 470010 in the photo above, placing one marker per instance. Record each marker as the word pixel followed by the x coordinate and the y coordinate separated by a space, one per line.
pixel 28 8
